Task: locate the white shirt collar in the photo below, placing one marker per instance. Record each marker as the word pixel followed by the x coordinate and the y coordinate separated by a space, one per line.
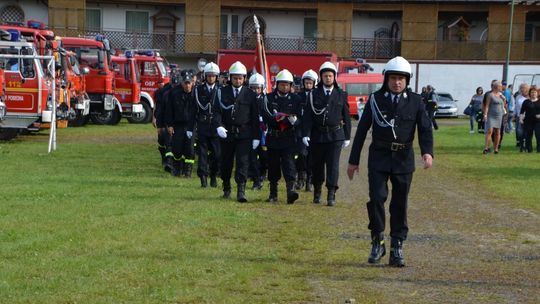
pixel 239 89
pixel 328 88
pixel 210 87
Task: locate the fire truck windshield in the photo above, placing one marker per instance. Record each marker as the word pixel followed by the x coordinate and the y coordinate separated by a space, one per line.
pixel 162 69
pixel 358 89
pixel 91 57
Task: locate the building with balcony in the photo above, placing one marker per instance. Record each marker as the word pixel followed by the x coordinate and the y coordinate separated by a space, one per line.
pixel 419 30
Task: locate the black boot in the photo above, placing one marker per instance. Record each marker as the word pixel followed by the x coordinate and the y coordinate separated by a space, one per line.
pixel 317 189
pixel 204 181
pixel 169 164
pixel 309 184
pixel 331 197
pixel 257 183
pixel 291 194
pixel 226 189
pixel 213 181
pixel 378 250
pixel 272 198
pixel 241 193
pixel 176 168
pixel 162 152
pixel 187 170
pixel 396 253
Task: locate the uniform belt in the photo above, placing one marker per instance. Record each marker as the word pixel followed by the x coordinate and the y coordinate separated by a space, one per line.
pixel 393 146
pixel 278 133
pixel 204 118
pixel 237 128
pixel 329 128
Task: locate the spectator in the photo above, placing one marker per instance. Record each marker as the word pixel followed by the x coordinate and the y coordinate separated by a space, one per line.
pixel 510 106
pixel 520 98
pixel 431 105
pixel 493 115
pixel 530 111
pixel 476 106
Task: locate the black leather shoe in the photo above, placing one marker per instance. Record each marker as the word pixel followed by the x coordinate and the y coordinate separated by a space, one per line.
pixel 317 189
pixel 396 253
pixel 378 249
pixel 241 193
pixel 292 195
pixel 226 189
pixel 204 182
pixel 213 181
pixel 272 198
pixel 331 198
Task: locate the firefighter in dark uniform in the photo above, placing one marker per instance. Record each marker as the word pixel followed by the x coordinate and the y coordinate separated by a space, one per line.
pixel 237 116
pixel 207 138
pixel 281 113
pixel 303 166
pixel 258 157
pixel 180 119
pixel 393 113
pixel 431 105
pixel 326 130
pixel 158 119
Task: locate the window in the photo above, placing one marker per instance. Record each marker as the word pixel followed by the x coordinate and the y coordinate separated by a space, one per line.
pixel 358 89
pixel 93 19
pixel 11 13
pixel 149 68
pixel 310 27
pixel 137 21
pixel 234 24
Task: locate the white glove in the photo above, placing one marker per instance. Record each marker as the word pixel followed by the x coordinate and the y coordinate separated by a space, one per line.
pixel 222 132
pixel 292 119
pixel 346 143
pixel 255 143
pixel 189 134
pixel 305 140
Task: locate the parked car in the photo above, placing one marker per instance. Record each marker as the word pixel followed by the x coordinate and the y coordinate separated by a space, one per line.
pixel 446 105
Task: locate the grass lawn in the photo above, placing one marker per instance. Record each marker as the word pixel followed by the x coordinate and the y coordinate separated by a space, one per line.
pixel 98 221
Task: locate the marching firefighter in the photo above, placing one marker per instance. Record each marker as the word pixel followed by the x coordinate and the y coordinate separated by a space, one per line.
pixel 309 80
pixel 179 118
pixel 258 157
pixel 207 139
pixel 393 113
pixel 158 120
pixel 281 113
pixel 326 130
pixel 237 116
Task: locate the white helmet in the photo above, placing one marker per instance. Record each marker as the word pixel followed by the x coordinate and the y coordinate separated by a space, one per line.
pixel 398 65
pixel 256 80
pixel 237 68
pixel 211 68
pixel 310 74
pixel 284 76
pixel 327 66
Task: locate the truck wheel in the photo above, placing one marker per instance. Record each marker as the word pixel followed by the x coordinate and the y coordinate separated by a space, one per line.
pixel 8 133
pixel 144 117
pixel 106 118
pixel 79 121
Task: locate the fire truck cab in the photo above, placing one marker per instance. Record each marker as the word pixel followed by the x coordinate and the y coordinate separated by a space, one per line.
pixel 95 55
pixel 2 92
pixel 154 75
pixel 353 77
pixel 27 97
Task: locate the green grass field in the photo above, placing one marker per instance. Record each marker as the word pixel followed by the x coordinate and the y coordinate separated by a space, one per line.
pixel 98 221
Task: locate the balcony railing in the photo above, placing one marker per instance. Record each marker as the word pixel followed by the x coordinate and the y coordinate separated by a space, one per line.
pixel 465 50
pixel 375 47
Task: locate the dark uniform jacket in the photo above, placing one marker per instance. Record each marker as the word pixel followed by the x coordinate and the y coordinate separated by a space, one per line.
pixel 285 136
pixel 205 101
pixel 180 109
pixel 330 121
pixel 240 115
pixel 409 115
pixel 160 105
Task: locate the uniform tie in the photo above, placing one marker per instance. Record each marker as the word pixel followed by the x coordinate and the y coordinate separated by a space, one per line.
pixel 396 101
pixel 235 92
pixel 328 92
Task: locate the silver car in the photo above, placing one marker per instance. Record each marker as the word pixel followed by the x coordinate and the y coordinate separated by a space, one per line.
pixel 446 105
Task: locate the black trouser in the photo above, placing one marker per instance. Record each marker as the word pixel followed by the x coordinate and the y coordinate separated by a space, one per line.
pixel 302 158
pixel 209 153
pixel 529 131
pixel 378 193
pixel 182 146
pixel 431 114
pixel 257 163
pixel 281 160
pixel 164 141
pixel 326 155
pixel 231 150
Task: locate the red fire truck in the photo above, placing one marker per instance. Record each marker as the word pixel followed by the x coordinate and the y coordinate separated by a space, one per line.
pixel 127 88
pixel 353 77
pixel 95 55
pixel 154 75
pixel 27 99
pixel 2 90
